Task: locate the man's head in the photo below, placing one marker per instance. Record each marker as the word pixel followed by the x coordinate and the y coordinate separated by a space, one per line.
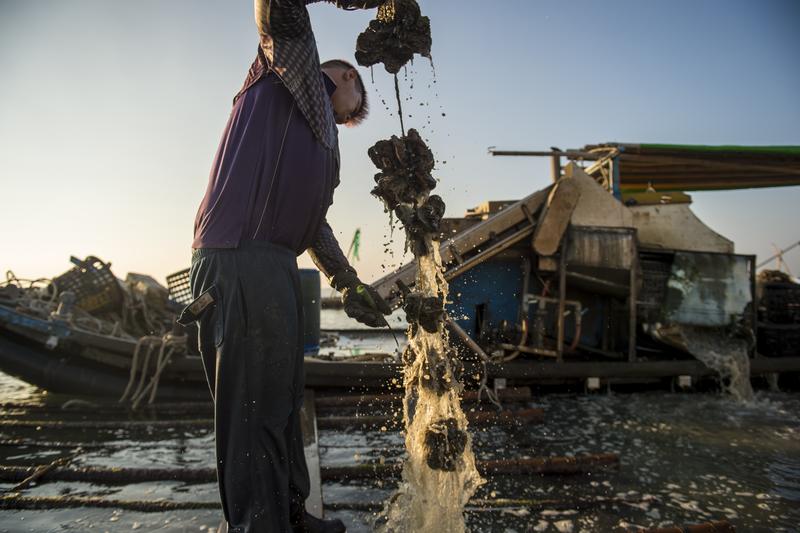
pixel 350 106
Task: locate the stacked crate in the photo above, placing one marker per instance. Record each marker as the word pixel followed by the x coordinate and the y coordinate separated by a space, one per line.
pixel 778 315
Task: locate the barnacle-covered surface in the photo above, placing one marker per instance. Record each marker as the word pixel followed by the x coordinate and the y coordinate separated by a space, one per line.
pixel 445 442
pixel 424 311
pixel 442 371
pixel 404 183
pixel 397 33
pixel 420 223
pixel 405 165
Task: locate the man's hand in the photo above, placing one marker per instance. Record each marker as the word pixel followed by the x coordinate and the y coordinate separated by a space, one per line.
pixel 361 301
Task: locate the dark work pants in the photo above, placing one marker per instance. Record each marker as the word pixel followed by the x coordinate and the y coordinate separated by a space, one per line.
pixel 251 342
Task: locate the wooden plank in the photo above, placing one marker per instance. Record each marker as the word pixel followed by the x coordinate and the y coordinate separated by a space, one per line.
pixel 604 247
pixel 490 252
pixel 552 465
pixel 340 374
pixel 311 449
pixel 518 417
pixel 560 205
pixel 508 394
pixel 467 243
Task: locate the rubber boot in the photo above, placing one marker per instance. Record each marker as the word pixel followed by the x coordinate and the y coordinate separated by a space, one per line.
pixel 302 522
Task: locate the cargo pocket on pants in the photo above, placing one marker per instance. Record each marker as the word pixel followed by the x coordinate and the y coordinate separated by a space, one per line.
pixel 206 311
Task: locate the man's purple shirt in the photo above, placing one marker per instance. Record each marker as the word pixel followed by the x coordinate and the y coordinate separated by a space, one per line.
pixel 271 179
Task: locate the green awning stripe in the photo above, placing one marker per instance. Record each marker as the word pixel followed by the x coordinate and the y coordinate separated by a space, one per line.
pixel 777 150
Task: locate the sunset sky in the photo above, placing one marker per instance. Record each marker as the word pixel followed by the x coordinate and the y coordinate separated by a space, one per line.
pixel 111 111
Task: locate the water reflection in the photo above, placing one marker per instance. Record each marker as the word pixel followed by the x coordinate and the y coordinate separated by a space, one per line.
pixel 684 458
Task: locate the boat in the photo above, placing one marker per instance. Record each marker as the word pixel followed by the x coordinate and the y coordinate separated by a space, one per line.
pixel 604 277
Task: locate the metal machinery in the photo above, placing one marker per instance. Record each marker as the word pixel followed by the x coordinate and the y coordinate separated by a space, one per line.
pixel 600 266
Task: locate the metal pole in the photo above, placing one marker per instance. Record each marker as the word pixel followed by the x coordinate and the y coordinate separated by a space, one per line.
pixel 562 295
pixel 615 178
pixel 754 307
pixel 632 304
pixel 778 255
pixel 556 166
pixel 464 336
pixel 571 154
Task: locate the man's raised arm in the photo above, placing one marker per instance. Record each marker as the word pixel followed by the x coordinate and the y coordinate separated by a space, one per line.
pixel 289 18
pixel 281 18
pixel 355 4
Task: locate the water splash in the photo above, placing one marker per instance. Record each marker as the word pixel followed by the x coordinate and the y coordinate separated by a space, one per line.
pixel 431 499
pixel 726 355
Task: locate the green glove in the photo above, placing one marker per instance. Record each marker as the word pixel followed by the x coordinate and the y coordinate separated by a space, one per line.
pixel 361 301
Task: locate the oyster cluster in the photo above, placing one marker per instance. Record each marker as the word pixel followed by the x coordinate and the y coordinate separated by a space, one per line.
pixel 420 222
pixel 397 33
pixel 405 169
pixel 404 184
pixel 441 372
pixel 426 312
pixel 444 444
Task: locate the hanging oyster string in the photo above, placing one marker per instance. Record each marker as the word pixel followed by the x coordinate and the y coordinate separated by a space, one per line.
pixel 397 33
pixel 399 105
pixel 439 474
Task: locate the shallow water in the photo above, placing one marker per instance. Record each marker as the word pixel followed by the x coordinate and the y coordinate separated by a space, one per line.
pixel 684 458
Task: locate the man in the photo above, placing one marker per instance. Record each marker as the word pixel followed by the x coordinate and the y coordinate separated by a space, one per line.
pixel 270 186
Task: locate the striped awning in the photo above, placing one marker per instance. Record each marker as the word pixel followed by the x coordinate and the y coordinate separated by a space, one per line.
pixel 675 167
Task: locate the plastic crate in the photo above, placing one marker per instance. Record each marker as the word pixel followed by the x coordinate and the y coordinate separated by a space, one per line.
pixel 95 287
pixel 655 275
pixel 780 303
pixel 180 290
pixel 779 340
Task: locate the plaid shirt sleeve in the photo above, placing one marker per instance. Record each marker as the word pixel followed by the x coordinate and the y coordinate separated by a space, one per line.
pixel 290 51
pixel 285 19
pixel 327 254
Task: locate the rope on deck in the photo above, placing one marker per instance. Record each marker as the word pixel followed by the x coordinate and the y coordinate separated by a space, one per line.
pixel 16 501
pixel 80 406
pixel 40 471
pixel 500 418
pixel 719 526
pixel 519 394
pixel 116 476
pixel 103 424
pixel 110 445
pixel 499 504
pixel 112 476
pixel 486 418
pixel 166 345
pixel 531 466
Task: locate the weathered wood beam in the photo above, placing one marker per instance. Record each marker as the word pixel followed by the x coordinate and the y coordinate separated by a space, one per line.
pixel 486 418
pixel 123 476
pixel 508 394
pixel 543 466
